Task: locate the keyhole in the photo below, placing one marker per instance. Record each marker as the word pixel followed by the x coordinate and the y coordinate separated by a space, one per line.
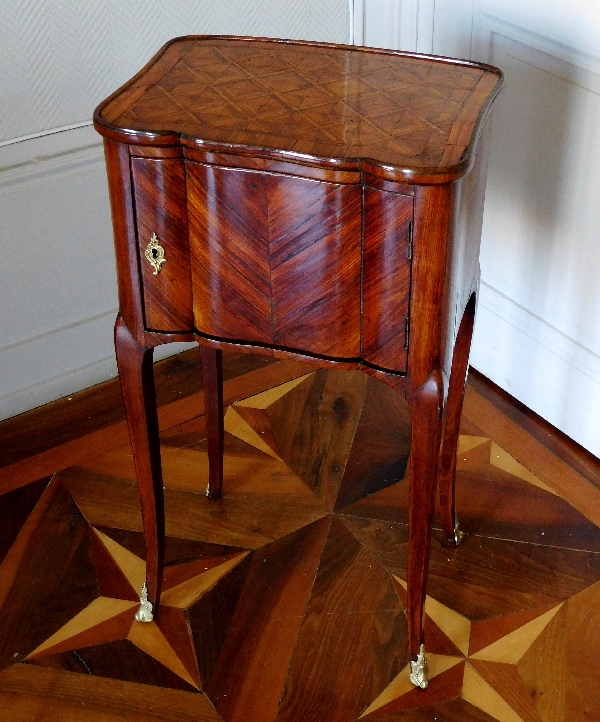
pixel 154 253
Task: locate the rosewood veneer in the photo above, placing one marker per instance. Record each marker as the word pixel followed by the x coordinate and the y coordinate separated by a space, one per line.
pixel 301 200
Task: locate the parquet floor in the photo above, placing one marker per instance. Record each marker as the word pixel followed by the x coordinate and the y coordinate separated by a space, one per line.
pixel 284 602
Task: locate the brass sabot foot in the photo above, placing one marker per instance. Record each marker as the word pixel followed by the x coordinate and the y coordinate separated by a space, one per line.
pixel 418 670
pixel 458 534
pixel 144 613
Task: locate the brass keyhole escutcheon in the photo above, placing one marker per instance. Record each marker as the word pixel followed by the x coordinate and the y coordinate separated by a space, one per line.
pixel 155 254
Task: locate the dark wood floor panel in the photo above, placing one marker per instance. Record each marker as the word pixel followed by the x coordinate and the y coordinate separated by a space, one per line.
pixel 284 602
pixel 48 695
pixel 556 473
pixel 381 446
pixel 15 508
pixel 315 444
pixel 488 482
pixel 252 669
pixel 55 577
pixel 353 639
pixel 70 418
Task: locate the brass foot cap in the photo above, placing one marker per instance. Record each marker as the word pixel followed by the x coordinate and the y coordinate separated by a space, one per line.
pixel 144 613
pixel 418 670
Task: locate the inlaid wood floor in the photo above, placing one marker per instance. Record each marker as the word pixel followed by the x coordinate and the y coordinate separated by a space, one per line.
pixel 284 602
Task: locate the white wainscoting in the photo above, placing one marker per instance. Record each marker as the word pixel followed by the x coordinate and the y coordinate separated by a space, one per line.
pixel 538 331
pixel 58 291
pixel 542 367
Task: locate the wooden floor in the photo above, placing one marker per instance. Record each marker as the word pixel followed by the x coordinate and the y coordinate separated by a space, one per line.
pixel 285 600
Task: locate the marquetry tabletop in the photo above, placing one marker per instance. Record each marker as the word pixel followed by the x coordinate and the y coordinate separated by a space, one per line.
pixel 396 111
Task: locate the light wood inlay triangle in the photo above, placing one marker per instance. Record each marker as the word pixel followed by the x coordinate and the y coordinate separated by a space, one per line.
pixel 99 611
pixel 480 694
pixel 512 647
pixel 185 594
pixel 132 566
pixel 503 460
pixel 401 684
pixel 456 627
pixel 236 425
pixel 148 637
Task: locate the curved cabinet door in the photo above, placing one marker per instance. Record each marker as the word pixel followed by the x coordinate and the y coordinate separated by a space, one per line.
pixel 315 238
pixel 275 259
pixel 386 278
pixel 160 210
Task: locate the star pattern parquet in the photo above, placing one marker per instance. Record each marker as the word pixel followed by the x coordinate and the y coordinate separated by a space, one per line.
pixel 285 601
pixel 332 104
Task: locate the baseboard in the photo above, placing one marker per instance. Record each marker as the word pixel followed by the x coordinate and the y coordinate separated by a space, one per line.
pixel 540 366
pixel 71 359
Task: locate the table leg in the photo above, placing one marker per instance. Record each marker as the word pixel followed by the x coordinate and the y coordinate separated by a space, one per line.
pixel 212 376
pixel 426 410
pixel 456 390
pixel 137 384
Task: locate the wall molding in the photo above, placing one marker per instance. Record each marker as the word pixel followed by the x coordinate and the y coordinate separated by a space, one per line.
pixel 357 22
pixel 46 133
pixel 551 371
pixel 487 24
pixel 48 145
pixel 396 24
pixel 541 332
pixel 537 365
pixel 42 171
pixel 74 356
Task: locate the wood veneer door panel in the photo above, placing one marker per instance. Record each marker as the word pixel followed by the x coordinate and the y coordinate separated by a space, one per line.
pixel 160 208
pixel 315 233
pixel 386 279
pixel 230 252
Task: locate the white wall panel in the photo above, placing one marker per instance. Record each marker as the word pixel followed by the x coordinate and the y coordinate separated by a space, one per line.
pixel 540 336
pixel 542 226
pixel 538 329
pixel 396 24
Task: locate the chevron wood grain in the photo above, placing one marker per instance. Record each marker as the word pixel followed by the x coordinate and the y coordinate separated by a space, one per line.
pixel 315 231
pixel 386 281
pixel 230 253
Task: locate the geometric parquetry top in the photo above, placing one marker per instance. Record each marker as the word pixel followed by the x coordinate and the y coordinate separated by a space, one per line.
pixel 387 112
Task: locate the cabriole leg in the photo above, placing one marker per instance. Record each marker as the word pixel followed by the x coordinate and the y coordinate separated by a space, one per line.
pixel 456 390
pixel 137 384
pixel 426 407
pixel 212 376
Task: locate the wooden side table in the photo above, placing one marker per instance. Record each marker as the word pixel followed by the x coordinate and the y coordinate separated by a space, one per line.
pixel 304 200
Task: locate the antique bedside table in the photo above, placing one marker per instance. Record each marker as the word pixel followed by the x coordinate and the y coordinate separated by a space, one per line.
pixel 308 200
